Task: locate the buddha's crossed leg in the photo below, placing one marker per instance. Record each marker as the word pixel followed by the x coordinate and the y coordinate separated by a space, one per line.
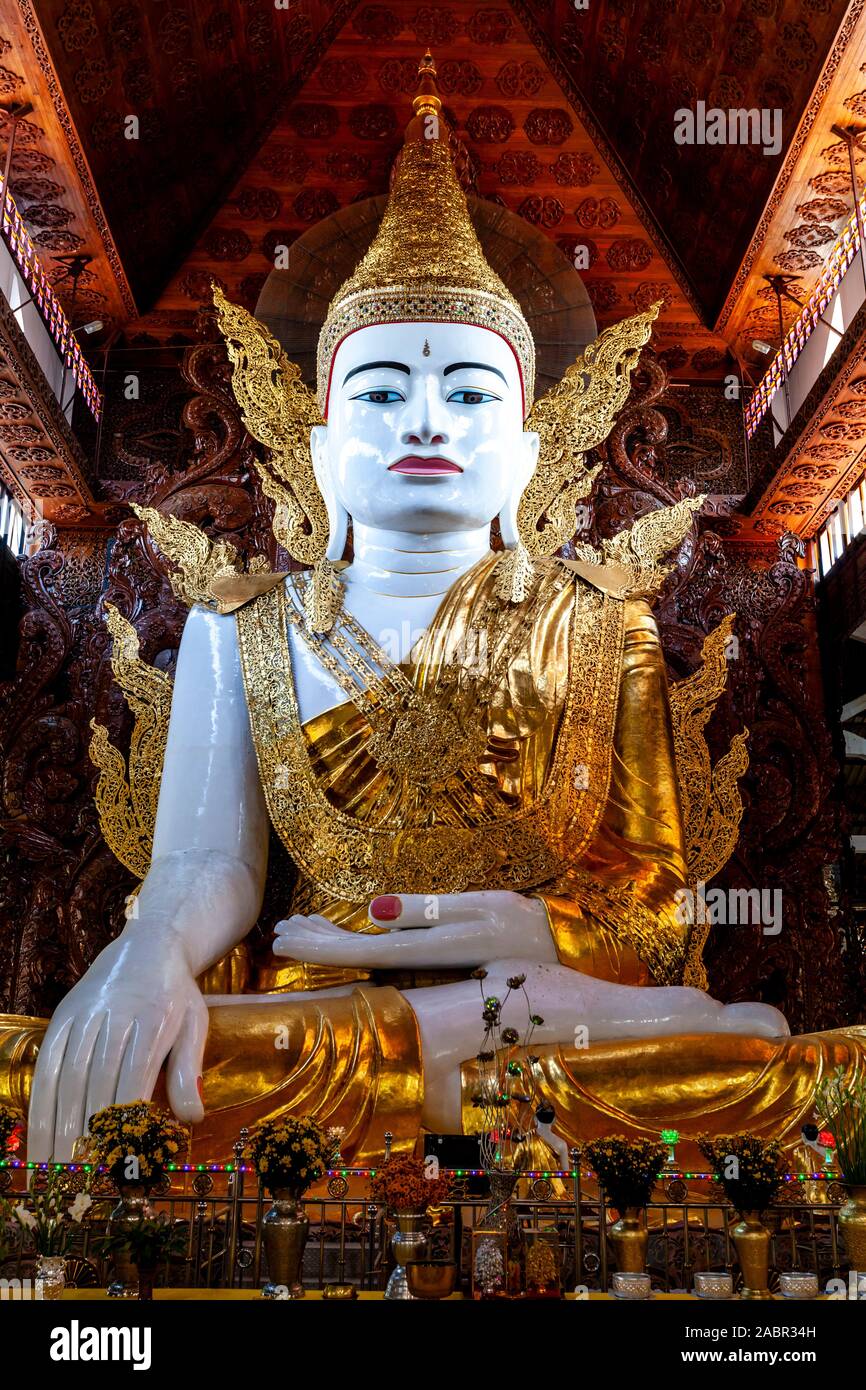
pixel 571 1005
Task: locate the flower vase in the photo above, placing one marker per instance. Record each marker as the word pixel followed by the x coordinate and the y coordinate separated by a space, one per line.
pixel 50 1276
pixel 408 1243
pixel 132 1208
pixel 285 1229
pixel 852 1225
pixel 630 1240
pixel 752 1243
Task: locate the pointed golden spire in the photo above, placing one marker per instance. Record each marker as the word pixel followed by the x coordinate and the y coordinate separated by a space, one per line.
pixel 426 263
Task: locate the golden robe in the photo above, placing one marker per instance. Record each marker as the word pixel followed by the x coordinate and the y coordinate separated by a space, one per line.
pixel 570 794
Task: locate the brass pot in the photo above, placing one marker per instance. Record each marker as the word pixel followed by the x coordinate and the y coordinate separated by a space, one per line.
pixel 752 1243
pixel 630 1239
pixel 130 1210
pixel 429 1280
pixel 285 1228
pixel 408 1243
pixel 852 1224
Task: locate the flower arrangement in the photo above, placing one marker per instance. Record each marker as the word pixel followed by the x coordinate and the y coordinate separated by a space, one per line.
pixel 49 1217
pixel 150 1240
pixel 748 1169
pixel 136 1142
pixel 843 1104
pixel 11 1129
pixel 405 1184
pixel 627 1168
pixel 293 1153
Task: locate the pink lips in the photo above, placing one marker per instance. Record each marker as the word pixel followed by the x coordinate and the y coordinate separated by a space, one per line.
pixel 424 468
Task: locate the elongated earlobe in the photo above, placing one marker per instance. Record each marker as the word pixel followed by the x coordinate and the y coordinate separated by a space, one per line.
pixel 508 527
pixel 514 568
pixel 338 517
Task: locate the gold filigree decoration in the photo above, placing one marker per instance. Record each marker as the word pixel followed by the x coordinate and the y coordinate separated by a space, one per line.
pixel 199 560
pixel 710 797
pixel 639 548
pixel 126 804
pixel 575 415
pixel 516 849
pixel 279 411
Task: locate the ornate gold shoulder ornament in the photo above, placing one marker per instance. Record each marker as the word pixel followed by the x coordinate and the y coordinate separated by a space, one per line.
pixel 639 549
pixel 280 411
pixel 573 416
pixel 126 801
pixel 207 571
pixel 711 801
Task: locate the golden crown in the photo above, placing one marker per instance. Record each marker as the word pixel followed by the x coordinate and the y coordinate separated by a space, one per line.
pixel 426 263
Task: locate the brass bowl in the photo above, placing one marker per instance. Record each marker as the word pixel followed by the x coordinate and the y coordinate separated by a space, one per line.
pixel 429 1280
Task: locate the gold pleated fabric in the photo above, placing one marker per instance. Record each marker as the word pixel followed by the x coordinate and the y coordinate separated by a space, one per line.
pixel 713 1083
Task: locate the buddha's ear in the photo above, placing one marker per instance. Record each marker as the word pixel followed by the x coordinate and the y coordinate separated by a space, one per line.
pixel 526 465
pixel 338 517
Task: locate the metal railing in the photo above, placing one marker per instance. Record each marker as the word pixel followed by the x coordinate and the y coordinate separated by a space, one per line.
pixel 221 1215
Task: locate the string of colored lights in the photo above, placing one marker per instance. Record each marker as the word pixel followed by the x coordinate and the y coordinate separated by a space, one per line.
pixel 666 1175
pixel 18 240
pixel 807 321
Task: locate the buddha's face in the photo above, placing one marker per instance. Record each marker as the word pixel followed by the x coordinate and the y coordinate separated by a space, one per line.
pixel 425 428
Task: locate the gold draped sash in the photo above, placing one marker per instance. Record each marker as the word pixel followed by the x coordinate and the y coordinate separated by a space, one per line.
pixel 574 798
pixel 452 843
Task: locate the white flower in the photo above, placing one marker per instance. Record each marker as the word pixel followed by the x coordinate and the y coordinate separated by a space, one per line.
pixel 81 1204
pixel 25 1217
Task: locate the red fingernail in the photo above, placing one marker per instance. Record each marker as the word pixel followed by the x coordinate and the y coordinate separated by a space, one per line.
pixel 200 1083
pixel 387 908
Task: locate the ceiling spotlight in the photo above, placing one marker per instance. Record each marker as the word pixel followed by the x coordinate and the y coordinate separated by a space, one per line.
pixel 94 326
pixel 760 346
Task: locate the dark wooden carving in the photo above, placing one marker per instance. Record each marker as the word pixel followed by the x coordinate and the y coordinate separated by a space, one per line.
pixel 61 891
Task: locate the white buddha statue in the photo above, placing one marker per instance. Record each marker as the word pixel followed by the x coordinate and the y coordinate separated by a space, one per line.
pixel 468 755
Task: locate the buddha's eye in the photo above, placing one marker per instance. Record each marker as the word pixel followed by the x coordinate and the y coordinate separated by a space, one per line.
pixel 467 396
pixel 385 395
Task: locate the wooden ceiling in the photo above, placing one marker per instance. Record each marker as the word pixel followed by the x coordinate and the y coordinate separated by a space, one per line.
pixel 529 149
pixel 568 114
pixel 636 62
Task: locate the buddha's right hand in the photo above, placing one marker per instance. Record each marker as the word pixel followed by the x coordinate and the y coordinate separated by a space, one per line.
pixel 136 1007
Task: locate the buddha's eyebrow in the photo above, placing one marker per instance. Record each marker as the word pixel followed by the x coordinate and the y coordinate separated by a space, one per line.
pixel 474 366
pixel 371 366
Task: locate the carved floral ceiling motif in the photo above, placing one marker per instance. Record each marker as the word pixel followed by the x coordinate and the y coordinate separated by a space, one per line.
pixel 638 62
pixel 528 147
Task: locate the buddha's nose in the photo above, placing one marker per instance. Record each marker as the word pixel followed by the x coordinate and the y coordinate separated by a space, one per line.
pixel 424 437
pixel 428 427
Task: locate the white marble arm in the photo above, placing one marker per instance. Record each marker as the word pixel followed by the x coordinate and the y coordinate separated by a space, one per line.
pixel 138 1005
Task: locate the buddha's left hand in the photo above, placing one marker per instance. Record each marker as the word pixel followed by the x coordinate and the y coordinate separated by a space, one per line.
pixel 425 931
